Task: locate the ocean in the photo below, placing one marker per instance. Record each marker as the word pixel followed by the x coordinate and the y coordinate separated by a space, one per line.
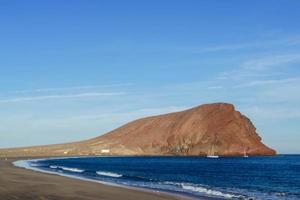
pixel 265 178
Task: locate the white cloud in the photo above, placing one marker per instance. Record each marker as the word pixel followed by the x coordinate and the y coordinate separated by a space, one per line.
pixel 264 113
pixel 289 41
pixel 73 88
pixel 256 83
pixel 59 96
pixel 126 116
pixel 216 87
pixel 267 62
pixel 261 68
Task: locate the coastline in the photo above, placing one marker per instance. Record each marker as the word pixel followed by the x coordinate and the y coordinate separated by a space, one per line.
pixel 25 184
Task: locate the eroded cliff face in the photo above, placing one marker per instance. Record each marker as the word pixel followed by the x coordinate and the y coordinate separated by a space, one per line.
pixel 216 128
pixel 212 128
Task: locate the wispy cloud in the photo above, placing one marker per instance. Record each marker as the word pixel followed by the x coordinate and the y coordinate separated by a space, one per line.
pixel 289 41
pixel 129 115
pixel 266 82
pixel 47 97
pixel 263 67
pixel 216 87
pixel 264 113
pixel 56 89
pixel 271 61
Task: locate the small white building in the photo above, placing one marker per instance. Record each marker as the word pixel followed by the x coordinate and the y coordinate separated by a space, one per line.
pixel 105 151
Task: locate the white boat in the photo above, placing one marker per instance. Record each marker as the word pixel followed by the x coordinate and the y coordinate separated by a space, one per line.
pixel 245 154
pixel 211 154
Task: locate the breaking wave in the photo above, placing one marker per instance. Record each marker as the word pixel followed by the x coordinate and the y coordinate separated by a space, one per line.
pixel 110 174
pixel 194 188
pixel 207 191
pixel 67 169
pixel 34 165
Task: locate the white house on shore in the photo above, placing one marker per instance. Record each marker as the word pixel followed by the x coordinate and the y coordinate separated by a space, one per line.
pixel 105 151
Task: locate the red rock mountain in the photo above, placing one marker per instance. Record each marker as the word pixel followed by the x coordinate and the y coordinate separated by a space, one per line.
pixel 207 129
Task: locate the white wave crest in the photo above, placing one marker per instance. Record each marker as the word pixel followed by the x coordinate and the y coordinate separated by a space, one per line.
pixel 67 168
pixel 201 189
pixel 34 165
pixel 72 169
pixel 101 173
pixel 207 191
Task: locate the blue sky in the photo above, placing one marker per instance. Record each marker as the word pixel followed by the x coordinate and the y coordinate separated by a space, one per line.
pixel 71 70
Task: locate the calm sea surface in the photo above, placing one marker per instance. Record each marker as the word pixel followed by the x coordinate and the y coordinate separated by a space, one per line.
pixel 224 178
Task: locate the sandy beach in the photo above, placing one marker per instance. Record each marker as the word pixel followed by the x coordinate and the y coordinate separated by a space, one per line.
pixel 17 183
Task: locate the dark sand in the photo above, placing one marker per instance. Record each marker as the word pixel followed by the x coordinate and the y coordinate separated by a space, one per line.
pixel 18 183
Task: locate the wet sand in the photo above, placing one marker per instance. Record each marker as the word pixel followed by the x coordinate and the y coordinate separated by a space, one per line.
pixel 17 183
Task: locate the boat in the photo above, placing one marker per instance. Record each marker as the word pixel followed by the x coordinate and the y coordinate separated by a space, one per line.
pixel 211 154
pixel 245 154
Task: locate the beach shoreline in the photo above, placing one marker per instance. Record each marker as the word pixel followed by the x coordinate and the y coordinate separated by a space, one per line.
pixel 25 184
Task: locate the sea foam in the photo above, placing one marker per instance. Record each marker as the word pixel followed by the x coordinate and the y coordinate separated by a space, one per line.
pixel 196 188
pixel 110 174
pixel 70 169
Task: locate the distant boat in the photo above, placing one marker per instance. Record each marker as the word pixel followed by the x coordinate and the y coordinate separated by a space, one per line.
pixel 245 154
pixel 211 154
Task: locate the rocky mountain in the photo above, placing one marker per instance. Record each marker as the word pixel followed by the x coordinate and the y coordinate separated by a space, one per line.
pixel 210 129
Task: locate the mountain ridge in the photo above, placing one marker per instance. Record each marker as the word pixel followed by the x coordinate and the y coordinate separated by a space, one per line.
pixel 192 132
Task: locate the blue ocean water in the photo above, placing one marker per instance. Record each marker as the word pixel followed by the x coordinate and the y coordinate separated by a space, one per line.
pixel 224 178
